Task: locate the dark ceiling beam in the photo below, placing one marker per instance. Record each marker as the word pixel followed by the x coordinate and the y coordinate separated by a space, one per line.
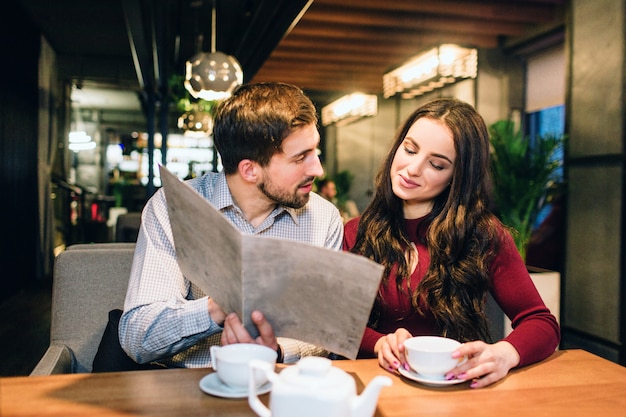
pixel 104 72
pixel 337 16
pixel 334 44
pixel 331 34
pixel 272 21
pixel 163 43
pixel 507 11
pixel 140 45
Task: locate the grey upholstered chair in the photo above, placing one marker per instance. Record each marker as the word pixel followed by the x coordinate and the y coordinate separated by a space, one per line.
pixel 111 245
pixel 127 227
pixel 88 281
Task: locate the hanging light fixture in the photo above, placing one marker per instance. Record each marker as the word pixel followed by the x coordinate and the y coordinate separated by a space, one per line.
pixel 196 123
pixel 434 68
pixel 212 76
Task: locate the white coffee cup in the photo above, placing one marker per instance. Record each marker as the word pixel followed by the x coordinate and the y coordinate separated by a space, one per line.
pixel 231 362
pixel 431 356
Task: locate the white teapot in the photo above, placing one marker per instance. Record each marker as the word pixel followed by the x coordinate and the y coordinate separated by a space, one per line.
pixel 313 388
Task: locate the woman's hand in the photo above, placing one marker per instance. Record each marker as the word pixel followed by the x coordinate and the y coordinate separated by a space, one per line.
pixel 485 363
pixel 390 350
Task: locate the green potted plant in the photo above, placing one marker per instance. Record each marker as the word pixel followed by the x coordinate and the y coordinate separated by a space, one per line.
pixel 194 114
pixel 525 177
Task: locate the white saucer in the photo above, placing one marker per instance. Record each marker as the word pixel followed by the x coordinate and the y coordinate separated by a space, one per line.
pixel 411 374
pixel 212 385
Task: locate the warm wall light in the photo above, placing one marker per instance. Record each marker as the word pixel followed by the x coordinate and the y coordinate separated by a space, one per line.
pixel 435 68
pixel 349 108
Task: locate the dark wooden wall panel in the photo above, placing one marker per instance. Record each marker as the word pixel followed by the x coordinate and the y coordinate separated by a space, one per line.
pixel 18 150
pixel 594 285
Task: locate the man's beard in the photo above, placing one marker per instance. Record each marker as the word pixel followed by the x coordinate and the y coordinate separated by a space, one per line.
pixel 284 198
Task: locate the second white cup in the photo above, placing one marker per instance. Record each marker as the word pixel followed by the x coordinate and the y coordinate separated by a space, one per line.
pixel 431 356
pixel 231 362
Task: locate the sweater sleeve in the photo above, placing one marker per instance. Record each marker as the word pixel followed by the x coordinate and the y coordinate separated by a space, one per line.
pixel 536 333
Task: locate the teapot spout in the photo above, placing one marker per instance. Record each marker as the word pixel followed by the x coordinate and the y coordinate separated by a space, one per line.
pixel 365 404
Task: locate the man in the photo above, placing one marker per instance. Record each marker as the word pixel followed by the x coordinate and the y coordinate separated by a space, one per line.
pixel 328 190
pixel 267 138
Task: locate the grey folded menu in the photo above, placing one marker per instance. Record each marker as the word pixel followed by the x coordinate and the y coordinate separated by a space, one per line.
pixel 309 293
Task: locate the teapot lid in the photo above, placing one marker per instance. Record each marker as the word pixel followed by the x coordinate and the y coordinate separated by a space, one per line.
pixel 315 372
pixel 314 366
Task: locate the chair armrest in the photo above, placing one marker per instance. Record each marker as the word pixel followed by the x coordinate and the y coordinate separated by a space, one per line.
pixel 56 360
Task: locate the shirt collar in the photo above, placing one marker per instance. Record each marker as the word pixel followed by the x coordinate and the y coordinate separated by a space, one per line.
pixel 222 198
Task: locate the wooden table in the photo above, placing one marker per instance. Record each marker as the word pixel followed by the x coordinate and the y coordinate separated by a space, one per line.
pixel 570 383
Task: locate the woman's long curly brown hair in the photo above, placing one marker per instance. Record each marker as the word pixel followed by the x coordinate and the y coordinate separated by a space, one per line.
pixel 461 234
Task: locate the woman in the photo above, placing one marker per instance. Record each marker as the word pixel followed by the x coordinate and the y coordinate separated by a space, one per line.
pixel 430 225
